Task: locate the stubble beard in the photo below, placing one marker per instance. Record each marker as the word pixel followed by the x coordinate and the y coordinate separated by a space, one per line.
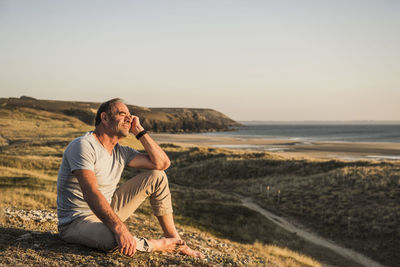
pixel 119 129
pixel 122 131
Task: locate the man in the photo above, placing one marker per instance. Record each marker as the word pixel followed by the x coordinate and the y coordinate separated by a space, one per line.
pixel 91 209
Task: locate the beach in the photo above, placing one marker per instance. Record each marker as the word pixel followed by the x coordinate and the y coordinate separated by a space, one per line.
pixel 290 148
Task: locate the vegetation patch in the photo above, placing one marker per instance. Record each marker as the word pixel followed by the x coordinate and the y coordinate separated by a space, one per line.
pixel 31 151
pixel 354 203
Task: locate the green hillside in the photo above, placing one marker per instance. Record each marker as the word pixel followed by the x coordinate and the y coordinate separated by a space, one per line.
pixel 155 119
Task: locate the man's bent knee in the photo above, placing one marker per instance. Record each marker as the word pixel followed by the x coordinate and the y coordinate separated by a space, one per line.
pixel 158 173
pixel 157 178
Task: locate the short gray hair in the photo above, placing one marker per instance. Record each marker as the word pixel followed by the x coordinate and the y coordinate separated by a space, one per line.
pixel 106 107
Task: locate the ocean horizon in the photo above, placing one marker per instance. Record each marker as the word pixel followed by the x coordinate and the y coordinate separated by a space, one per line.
pixel 375 132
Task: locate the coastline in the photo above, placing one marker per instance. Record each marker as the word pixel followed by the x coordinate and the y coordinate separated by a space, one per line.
pixel 289 148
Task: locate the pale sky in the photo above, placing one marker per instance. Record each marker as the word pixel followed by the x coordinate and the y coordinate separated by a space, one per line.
pixel 251 60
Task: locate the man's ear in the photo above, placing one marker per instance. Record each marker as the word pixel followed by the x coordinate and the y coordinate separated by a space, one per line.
pixel 103 116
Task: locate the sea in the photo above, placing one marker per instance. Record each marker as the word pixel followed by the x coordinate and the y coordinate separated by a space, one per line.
pixel 345 132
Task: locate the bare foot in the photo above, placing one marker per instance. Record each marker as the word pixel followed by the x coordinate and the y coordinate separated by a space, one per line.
pixel 167 244
pixel 190 252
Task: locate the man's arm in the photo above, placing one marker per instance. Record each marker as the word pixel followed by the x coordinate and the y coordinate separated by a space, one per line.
pixel 155 159
pixel 99 205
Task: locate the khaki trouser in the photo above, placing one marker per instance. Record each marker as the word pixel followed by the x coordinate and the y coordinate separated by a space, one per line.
pixel 90 231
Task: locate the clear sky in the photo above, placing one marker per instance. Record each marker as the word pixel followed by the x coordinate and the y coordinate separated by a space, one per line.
pixel 252 60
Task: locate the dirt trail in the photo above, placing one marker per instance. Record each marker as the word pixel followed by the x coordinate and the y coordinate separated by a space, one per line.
pixel 311 237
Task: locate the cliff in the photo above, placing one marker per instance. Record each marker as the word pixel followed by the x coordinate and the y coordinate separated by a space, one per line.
pixel 155 119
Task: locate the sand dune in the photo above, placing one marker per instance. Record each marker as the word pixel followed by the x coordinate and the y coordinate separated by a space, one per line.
pixel 290 148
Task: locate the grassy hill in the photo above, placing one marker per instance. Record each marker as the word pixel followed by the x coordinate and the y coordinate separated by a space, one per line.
pixel 356 204
pixel 154 119
pixel 31 145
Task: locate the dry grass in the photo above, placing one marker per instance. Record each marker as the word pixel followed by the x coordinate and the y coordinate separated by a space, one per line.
pixel 32 146
pixel 355 203
pixel 21 123
pixel 27 189
pixel 288 257
pixel 42 247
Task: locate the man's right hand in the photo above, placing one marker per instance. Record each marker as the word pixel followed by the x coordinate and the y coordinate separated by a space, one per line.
pixel 100 206
pixel 126 242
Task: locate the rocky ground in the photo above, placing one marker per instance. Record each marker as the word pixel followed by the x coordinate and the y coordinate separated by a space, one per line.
pixel 30 237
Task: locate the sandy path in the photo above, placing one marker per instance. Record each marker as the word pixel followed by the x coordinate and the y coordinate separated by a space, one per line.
pixel 311 237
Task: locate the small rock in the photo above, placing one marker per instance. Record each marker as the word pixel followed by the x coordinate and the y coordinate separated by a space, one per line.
pixel 24 236
pixel 37 233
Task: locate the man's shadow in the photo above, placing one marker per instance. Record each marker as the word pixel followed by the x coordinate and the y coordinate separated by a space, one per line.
pixel 43 242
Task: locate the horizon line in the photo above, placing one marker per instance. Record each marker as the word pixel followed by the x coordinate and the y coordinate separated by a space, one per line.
pixel 319 121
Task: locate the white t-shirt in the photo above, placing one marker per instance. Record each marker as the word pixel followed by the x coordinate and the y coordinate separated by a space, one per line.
pixel 86 153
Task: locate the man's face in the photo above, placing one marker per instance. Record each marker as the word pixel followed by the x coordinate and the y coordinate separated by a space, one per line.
pixel 120 120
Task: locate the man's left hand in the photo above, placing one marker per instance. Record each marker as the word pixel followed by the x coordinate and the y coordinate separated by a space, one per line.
pixel 136 127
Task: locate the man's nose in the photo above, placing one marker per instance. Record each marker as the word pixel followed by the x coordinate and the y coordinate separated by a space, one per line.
pixel 128 117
